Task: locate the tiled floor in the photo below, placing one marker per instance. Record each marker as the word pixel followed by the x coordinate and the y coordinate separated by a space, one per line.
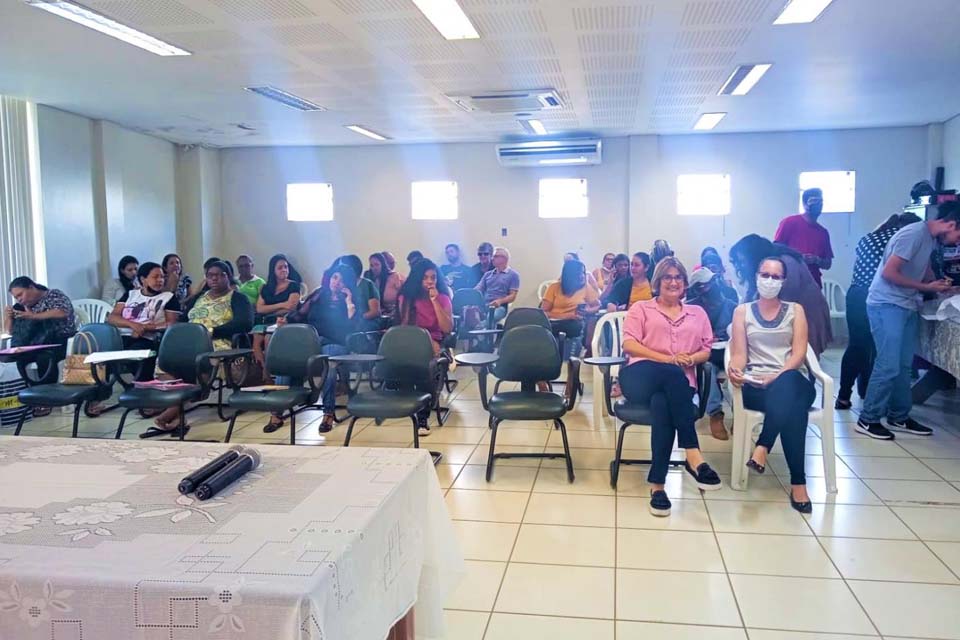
pixel 551 560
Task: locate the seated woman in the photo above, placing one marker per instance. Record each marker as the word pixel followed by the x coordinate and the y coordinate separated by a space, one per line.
pixel 174 278
pixel 40 316
pixel 368 296
pixel 278 297
pixel 628 291
pixel 572 255
pixel 567 302
pixel 125 281
pixel 330 310
pixel 387 281
pixel 767 353
pixel 621 270
pixel 799 286
pixel 604 273
pixel 225 313
pixel 146 311
pixel 248 283
pixel 665 340
pixel 661 249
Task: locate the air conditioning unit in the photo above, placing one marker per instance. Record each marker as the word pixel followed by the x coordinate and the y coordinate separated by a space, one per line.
pixel 526 100
pixel 545 153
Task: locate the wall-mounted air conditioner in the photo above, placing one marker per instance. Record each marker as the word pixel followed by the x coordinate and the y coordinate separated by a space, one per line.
pixel 545 153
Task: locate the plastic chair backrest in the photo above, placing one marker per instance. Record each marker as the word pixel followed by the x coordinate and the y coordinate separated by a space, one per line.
pixel 90 311
pixel 542 289
pixel 528 354
pixel 407 352
pixel 466 297
pixel 836 297
pixel 105 338
pixel 526 316
pixel 608 336
pixel 179 348
pixel 290 348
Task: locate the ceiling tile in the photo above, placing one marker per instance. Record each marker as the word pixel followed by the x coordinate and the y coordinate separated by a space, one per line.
pixel 371 6
pixel 155 13
pixel 438 51
pixel 717 74
pixel 521 22
pixel 531 47
pixel 724 12
pixel 261 10
pixel 208 40
pixel 400 29
pixel 711 39
pixel 610 42
pixel 701 58
pixel 618 17
pixel 316 34
pixel 613 78
pixel 613 63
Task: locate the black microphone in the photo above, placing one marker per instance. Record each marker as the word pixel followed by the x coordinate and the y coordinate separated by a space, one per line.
pixel 247 461
pixel 191 482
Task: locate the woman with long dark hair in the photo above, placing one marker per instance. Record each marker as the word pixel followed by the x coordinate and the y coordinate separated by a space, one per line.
pixel 620 270
pixel 567 302
pixel 175 279
pixel 281 294
pixel 628 291
pixel 125 281
pixel 367 298
pixel 387 281
pixel 799 286
pixel 425 302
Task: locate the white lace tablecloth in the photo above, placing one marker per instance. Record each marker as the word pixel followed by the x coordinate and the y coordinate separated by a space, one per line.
pixel 318 543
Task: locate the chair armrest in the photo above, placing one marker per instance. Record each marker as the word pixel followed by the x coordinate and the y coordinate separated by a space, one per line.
pixel 573 381
pixel 112 375
pixel 317 371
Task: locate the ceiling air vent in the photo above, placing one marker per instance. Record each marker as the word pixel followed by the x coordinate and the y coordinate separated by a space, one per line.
pixel 509 101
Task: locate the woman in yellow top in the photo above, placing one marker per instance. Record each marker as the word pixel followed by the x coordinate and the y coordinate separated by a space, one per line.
pixel 566 303
pixel 605 272
pixel 629 291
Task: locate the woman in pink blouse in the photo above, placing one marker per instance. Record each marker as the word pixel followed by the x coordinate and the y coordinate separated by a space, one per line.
pixel 665 340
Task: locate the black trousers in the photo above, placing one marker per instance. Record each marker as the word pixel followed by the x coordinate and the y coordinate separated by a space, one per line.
pixel 861 351
pixel 665 388
pixel 785 404
pixel 572 328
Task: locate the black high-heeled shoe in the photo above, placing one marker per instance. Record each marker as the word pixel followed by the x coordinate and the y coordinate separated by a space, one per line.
pixel 802 507
pixel 756 466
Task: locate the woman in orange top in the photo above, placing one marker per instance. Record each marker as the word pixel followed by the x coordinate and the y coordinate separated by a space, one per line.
pixel 567 301
pixel 629 291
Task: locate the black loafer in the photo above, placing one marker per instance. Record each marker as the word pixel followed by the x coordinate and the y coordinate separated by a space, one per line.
pixel 271 426
pixel 707 479
pixel 660 503
pixel 802 507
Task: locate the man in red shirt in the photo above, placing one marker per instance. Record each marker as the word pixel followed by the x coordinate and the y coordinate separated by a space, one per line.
pixel 803 234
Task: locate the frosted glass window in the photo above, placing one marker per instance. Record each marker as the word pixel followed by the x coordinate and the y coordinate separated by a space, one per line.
pixel 839 189
pixel 433 200
pixel 309 202
pixel 703 194
pixel 564 198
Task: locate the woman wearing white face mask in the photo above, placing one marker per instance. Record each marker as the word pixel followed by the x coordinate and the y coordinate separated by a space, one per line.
pixel 767 351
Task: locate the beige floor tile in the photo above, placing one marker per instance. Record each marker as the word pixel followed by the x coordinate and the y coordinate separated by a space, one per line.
pixel 869 447
pixel 503 479
pixel 457 435
pixel 518 438
pixel 890 468
pixel 627 630
pixel 915 491
pixel 393 435
pixel 894 560
pixel 452 453
pixel 679 484
pixel 799 556
pixel 931 523
pixel 767 634
pixel 462 625
pixel 685 515
pixel 582 592
pixel 576 510
pixel 940 445
pixel 480 454
pixel 858 521
pixel 799 604
pixel 587 482
pixel 598 459
pixel 765 488
pixel 679 597
pixel 510 626
pixel 486 540
pixel 949 552
pixel 606 439
pixel 447 474
pixel 913 610
pixel 948 469
pixel 756 517
pixel 849 491
pixel 489 506
pixel 558 544
pixel 478 589
pixel 668 550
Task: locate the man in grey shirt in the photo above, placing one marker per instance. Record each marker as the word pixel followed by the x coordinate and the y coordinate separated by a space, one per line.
pixel 892 306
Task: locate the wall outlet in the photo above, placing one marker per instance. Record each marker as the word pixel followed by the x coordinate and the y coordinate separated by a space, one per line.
pixel 503 232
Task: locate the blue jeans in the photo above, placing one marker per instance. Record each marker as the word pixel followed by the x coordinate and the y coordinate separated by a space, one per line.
pixel 895 334
pixel 499 314
pixel 715 395
pixel 329 396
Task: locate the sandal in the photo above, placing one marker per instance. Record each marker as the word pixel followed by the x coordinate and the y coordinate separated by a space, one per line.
pixel 272 426
pixel 155 432
pixel 756 466
pixel 42 412
pixel 95 409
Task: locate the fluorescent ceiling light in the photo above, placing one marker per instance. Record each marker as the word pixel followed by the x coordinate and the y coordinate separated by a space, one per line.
pixel 708 121
pixel 285 98
pixel 356 128
pixel 448 18
pixel 801 11
pixel 579 160
pixel 743 78
pixel 105 25
pixel 534 127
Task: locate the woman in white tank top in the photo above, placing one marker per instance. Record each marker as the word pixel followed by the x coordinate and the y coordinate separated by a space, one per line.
pixel 768 349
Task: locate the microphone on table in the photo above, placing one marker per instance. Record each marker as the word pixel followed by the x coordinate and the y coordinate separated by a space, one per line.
pixel 192 481
pixel 246 462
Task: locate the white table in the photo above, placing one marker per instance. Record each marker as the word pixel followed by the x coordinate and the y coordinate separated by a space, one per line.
pixel 96 543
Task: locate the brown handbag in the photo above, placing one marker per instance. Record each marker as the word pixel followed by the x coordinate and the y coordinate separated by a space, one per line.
pixel 75 370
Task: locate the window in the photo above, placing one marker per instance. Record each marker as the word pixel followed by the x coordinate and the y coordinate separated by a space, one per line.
pixel 309 202
pixel 434 200
pixel 703 194
pixel 563 198
pixel 839 189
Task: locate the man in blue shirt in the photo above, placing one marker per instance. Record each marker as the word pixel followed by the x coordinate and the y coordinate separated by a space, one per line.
pixel 500 285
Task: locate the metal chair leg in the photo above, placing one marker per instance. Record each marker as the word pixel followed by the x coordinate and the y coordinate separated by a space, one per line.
pixel 615 463
pixel 233 421
pixel 23 418
pixel 182 427
pixel 493 443
pixel 416 431
pixel 566 448
pixel 220 415
pixel 346 441
pixel 76 418
pixel 293 427
pixel 123 419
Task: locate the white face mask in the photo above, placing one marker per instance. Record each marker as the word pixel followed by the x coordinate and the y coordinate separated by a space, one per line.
pixel 768 287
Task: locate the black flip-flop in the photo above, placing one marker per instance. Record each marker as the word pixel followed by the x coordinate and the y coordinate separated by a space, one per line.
pixel 156 432
pixel 175 432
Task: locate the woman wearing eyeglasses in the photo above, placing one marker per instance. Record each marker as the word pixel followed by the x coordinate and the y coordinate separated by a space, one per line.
pixel 767 353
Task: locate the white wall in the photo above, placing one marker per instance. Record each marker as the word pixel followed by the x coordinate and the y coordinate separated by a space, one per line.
pixel 951 153
pixel 372 206
pixel 106 192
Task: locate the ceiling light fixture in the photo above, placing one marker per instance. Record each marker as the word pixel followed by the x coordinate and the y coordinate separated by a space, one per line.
pixel 708 121
pixel 449 19
pixel 743 78
pixel 534 127
pixel 286 98
pixel 103 24
pixel 801 11
pixel 356 128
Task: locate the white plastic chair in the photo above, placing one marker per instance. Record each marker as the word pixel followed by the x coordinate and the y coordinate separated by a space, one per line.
pixel 746 421
pixel 89 310
pixel 836 297
pixel 542 289
pixel 615 321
